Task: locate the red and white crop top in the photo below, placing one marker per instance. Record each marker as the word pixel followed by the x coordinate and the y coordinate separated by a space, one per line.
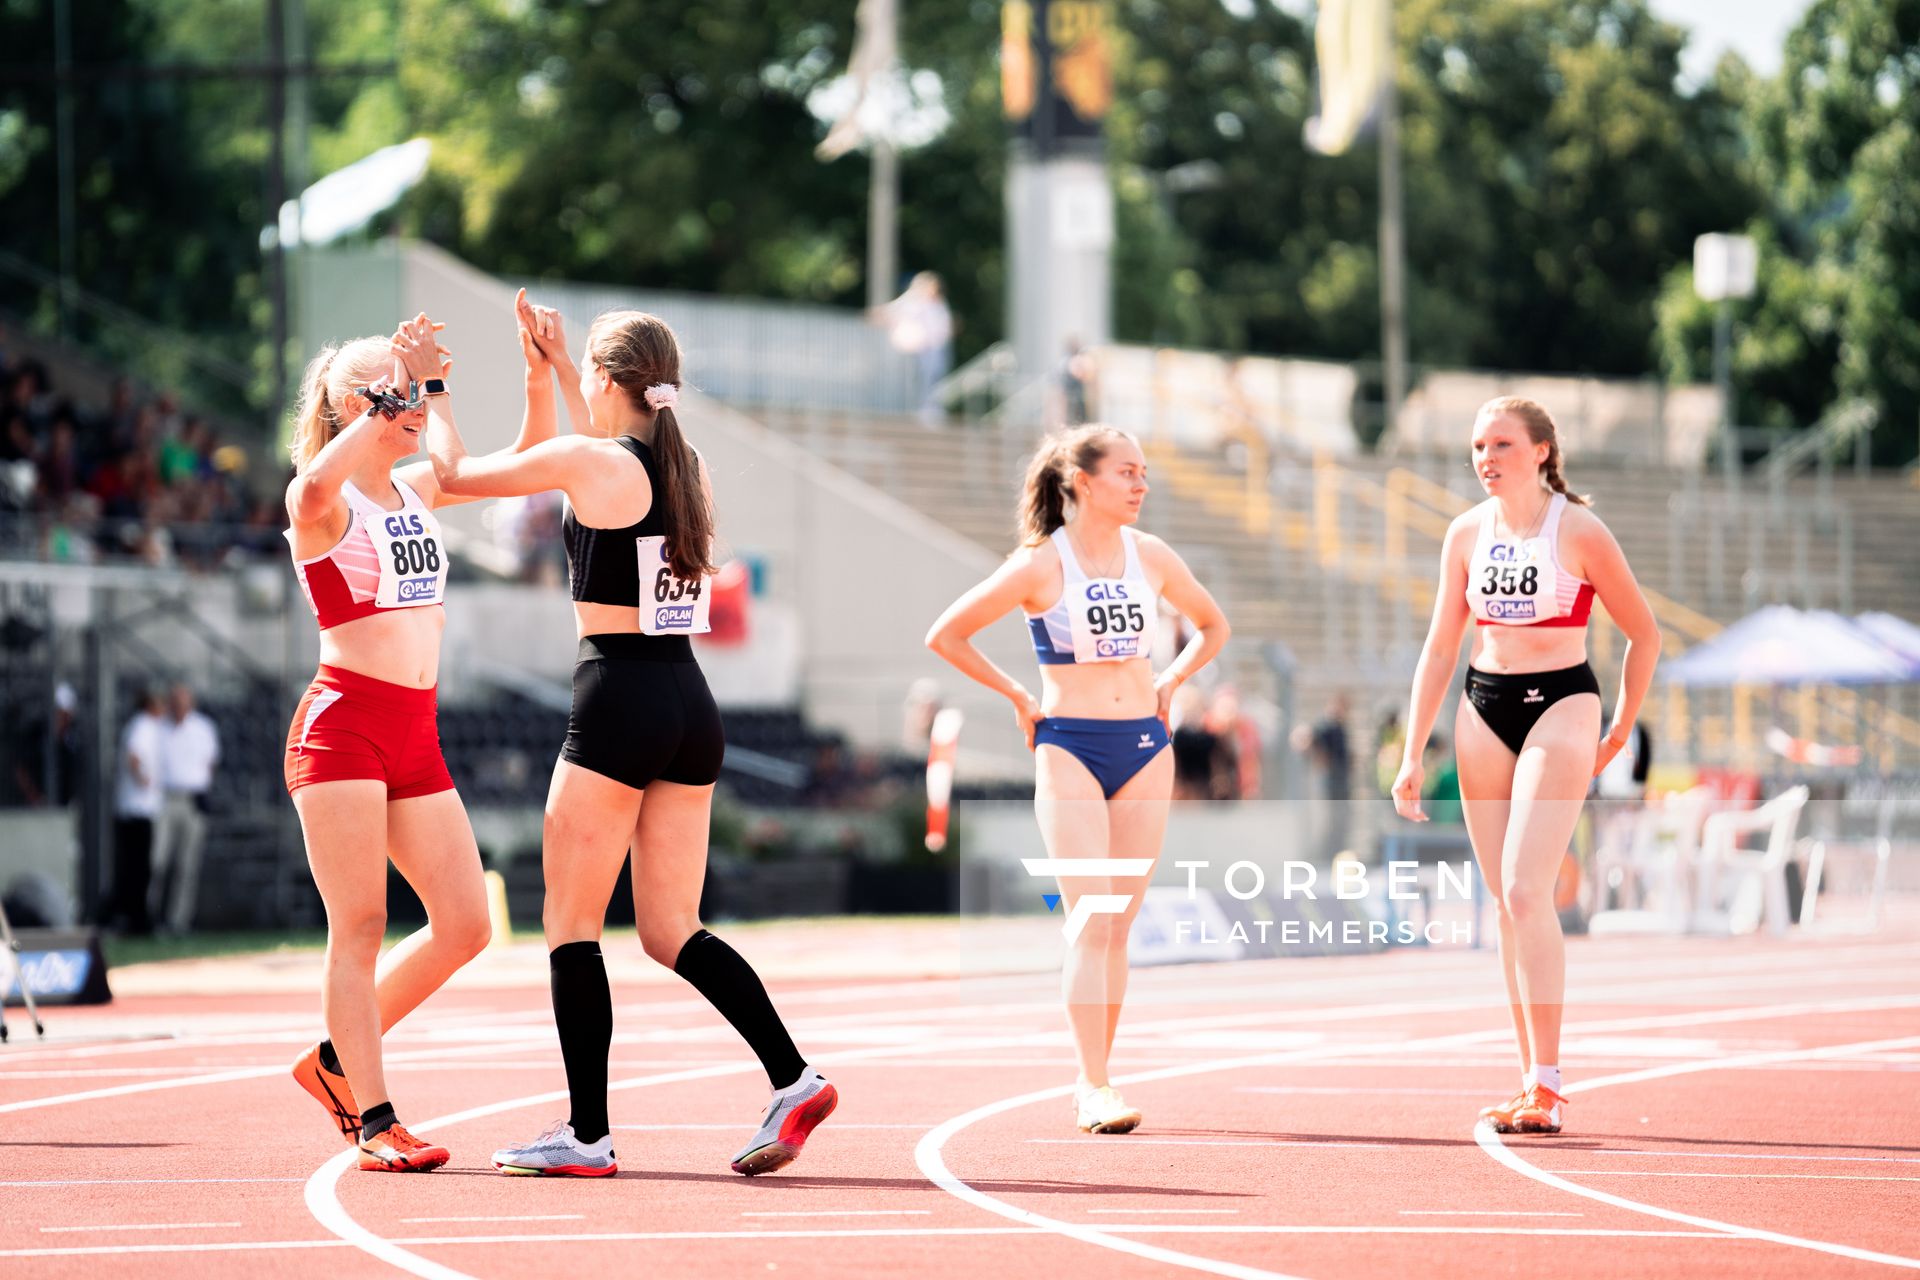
pixel 1518 582
pixel 386 560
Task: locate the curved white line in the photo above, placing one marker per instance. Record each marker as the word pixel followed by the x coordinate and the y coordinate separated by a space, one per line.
pixel 1490 1143
pixel 927 1154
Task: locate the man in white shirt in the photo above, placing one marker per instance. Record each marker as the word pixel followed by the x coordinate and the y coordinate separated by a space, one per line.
pixel 191 751
pixel 137 802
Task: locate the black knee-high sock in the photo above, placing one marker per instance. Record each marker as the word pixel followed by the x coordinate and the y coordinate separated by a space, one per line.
pixel 730 985
pixel 583 1014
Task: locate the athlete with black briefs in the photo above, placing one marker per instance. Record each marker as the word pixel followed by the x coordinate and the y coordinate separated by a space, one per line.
pixel 644 740
pixel 1525 566
pixel 1090 587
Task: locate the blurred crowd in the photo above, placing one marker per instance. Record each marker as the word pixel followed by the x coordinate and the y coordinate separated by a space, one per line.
pixel 138 480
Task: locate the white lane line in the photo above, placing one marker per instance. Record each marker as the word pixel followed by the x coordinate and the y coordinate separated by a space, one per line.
pixel 928 1152
pixel 928 1156
pixel 1158 1211
pixel 1730 1173
pixel 1485 1213
pixel 839 1213
pixel 133 1182
pixel 150 1226
pixel 501 1217
pixel 1490 1142
pixel 1748 1155
pixel 322 1190
pixel 869 1233
pixel 738 1125
pixel 1124 1141
pixel 1334 1091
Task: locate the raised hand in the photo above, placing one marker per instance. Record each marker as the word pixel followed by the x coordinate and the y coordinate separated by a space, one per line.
pixel 542 327
pixel 419 351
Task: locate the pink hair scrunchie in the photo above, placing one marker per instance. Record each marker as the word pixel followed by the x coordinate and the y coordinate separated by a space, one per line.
pixel 662 395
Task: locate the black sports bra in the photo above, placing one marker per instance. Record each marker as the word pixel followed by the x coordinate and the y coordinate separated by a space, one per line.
pixel 603 565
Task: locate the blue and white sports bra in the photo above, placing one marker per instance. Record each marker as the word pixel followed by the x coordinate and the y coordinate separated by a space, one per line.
pixel 1097 619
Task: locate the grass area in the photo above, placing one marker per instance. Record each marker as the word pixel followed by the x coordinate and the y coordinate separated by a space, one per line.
pixel 195 946
pixel 198 946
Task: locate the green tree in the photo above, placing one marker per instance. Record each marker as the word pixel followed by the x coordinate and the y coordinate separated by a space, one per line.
pixel 1833 138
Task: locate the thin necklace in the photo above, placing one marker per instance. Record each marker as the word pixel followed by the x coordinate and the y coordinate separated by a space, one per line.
pixel 1538 519
pixel 1086 557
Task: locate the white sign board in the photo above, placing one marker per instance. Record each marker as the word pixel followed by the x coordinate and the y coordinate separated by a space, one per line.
pixel 1724 267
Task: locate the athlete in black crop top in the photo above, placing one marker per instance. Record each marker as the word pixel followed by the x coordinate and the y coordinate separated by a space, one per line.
pixel 602 563
pixel 644 740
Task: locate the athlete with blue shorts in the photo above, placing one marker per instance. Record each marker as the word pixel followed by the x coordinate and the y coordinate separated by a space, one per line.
pixel 1090 587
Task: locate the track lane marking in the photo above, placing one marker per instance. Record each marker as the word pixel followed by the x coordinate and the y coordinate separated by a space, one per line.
pixel 928 1155
pixel 1490 1142
pixel 864 1233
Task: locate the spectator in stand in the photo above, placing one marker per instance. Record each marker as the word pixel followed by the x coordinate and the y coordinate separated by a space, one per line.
pixel 1195 746
pixel 191 751
pixel 1240 744
pixel 46 765
pixel 1327 745
pixel 920 324
pixel 1074 389
pixel 1442 795
pixel 137 802
pixel 59 462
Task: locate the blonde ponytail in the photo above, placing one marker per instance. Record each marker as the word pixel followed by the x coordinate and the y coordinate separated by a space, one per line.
pixel 326 393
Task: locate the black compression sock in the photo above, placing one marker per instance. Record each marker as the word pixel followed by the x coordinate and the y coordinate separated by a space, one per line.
pixel 376 1120
pixel 730 985
pixel 329 1059
pixel 583 1015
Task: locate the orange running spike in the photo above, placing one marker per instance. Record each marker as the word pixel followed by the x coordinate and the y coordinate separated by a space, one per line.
pixel 330 1090
pixel 1541 1114
pixel 397 1151
pixel 1500 1116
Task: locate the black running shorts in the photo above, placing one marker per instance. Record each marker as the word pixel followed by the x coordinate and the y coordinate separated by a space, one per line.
pixel 642 712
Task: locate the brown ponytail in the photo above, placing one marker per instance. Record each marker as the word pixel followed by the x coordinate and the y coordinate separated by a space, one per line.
pixel 639 351
pixel 1540 430
pixel 1049 483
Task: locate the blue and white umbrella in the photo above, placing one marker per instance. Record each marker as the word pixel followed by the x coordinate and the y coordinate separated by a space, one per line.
pixel 1780 645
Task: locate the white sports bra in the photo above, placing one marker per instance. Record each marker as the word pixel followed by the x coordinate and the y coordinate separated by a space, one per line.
pixel 1519 582
pixel 1097 619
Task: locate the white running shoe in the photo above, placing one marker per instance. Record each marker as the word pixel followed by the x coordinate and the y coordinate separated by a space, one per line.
pixel 790 1118
pixel 557 1151
pixel 1103 1111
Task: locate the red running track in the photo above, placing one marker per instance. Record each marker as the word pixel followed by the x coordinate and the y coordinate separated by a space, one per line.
pixel 1737 1106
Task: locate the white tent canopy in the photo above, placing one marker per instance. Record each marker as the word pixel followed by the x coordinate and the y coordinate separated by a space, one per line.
pixel 348 199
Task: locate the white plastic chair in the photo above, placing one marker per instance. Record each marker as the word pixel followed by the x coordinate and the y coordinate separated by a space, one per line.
pixel 1656 853
pixel 1759 875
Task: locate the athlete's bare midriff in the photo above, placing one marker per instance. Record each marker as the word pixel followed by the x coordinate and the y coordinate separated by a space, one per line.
pixel 1099 690
pixel 400 646
pixel 591 619
pixel 1508 650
